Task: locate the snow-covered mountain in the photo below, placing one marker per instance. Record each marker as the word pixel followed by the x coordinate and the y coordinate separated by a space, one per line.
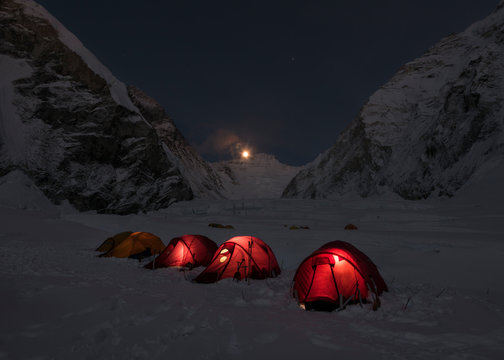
pixel 204 181
pixel 261 176
pixel 428 130
pixel 72 128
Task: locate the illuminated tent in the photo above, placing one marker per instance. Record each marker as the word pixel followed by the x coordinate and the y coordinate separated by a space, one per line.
pixel 335 275
pixel 185 251
pixel 113 241
pixel 137 245
pixel 241 257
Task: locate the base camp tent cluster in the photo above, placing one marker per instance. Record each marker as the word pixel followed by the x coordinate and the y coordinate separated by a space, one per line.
pixel 335 275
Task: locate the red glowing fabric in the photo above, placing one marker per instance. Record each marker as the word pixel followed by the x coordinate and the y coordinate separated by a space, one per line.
pixel 337 268
pixel 241 257
pixel 185 251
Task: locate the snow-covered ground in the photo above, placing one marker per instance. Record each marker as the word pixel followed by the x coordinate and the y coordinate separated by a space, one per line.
pixel 441 260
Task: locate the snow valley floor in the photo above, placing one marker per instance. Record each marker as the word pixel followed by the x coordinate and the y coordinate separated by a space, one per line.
pixel 441 260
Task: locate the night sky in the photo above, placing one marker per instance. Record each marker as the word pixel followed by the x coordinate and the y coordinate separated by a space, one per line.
pixel 281 77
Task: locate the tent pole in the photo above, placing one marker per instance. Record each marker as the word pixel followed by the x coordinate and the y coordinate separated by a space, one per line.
pixel 360 297
pixel 249 255
pixel 336 286
pixel 345 303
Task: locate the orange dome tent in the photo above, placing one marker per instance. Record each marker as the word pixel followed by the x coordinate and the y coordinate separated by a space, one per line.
pixel 113 241
pixel 241 257
pixel 137 244
pixel 185 251
pixel 335 275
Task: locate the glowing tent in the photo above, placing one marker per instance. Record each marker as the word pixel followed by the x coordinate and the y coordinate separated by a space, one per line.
pixel 113 241
pixel 241 257
pixel 335 275
pixel 185 251
pixel 137 245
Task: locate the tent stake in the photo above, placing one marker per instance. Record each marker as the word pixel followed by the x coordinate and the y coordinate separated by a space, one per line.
pixel 407 302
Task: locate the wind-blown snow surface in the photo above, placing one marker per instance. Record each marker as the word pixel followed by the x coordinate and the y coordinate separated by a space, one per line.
pixel 441 260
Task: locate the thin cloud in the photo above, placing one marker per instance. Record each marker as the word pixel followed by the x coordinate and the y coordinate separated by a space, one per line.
pixel 221 143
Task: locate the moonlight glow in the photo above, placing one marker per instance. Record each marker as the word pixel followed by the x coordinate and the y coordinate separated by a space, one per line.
pixel 245 154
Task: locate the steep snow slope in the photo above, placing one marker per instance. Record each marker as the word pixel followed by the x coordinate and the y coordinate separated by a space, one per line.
pixel 204 182
pixel 260 177
pixel 426 131
pixel 17 191
pixel 70 126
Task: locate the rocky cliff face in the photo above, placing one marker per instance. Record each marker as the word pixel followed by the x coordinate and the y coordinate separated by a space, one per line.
pixel 203 180
pixel 425 132
pixel 70 125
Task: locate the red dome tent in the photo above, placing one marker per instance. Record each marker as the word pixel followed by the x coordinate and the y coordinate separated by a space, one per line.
pixel 185 251
pixel 334 275
pixel 241 257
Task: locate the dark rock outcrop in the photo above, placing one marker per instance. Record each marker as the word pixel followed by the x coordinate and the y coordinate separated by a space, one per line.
pixel 69 125
pixel 204 181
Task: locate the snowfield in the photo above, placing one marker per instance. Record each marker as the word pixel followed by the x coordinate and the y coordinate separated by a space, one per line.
pixel 441 260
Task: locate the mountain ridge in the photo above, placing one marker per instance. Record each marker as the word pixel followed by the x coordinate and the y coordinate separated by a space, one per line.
pixel 261 176
pixel 72 127
pixel 204 181
pixel 426 131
